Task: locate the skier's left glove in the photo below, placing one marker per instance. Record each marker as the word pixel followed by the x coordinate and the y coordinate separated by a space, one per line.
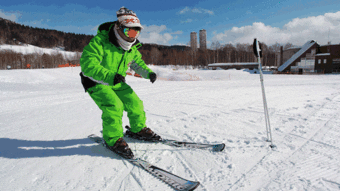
pixel 153 77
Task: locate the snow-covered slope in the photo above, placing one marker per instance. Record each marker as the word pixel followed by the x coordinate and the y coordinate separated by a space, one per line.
pixel 45 118
pixel 30 49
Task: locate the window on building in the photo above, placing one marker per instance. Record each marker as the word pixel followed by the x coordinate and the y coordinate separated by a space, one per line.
pixel 325 61
pixel 313 51
pixel 319 61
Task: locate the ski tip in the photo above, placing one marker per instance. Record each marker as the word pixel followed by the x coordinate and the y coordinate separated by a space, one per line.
pixel 219 147
pixel 194 185
pixel 222 147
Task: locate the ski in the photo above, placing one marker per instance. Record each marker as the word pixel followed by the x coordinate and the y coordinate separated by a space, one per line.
pixel 215 147
pixel 174 181
pixel 218 147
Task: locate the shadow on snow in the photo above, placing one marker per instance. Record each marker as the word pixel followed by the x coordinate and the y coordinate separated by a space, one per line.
pixel 15 148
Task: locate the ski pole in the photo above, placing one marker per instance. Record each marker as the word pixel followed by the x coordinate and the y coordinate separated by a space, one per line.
pixel 258 54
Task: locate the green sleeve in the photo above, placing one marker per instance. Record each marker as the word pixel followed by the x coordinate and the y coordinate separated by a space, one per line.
pixel 90 62
pixel 140 67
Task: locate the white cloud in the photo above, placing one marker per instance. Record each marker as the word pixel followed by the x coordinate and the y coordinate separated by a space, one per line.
pixel 186 9
pixel 187 21
pixel 182 44
pixel 153 28
pixel 208 11
pixel 298 31
pixel 8 16
pixel 157 35
pixel 95 28
pixel 196 10
pixel 177 32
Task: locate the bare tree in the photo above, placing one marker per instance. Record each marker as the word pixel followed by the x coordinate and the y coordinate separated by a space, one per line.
pixel 287 45
pixel 215 46
pixel 275 47
pixel 155 54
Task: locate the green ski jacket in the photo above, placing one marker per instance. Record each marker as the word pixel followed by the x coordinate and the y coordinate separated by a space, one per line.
pixel 103 58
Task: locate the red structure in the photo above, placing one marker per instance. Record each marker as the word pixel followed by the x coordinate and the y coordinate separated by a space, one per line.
pixel 67 65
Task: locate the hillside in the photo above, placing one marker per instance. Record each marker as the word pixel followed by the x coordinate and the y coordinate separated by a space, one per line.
pixel 13 33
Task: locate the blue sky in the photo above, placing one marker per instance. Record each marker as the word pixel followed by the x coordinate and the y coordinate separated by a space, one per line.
pixel 170 22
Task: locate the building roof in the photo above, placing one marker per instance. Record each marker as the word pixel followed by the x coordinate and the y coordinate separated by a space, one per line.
pixel 323 54
pixel 329 45
pixel 303 49
pixel 293 48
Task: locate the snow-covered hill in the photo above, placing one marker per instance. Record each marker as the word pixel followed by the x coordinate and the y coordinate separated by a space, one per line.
pixel 45 118
pixel 30 49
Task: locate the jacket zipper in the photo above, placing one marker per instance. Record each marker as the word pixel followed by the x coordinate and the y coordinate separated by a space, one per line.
pixel 121 62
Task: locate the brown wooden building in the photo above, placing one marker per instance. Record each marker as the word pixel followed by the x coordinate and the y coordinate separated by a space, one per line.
pixel 328 59
pixel 313 58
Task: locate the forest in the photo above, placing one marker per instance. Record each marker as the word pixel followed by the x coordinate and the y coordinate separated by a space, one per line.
pixel 16 34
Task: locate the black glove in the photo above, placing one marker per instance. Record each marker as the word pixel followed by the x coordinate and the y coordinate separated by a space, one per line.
pixel 118 78
pixel 153 77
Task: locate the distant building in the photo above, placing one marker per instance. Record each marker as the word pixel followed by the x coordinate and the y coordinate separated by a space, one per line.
pixel 203 39
pixel 327 59
pixel 283 55
pixel 313 58
pixel 193 40
pixel 237 65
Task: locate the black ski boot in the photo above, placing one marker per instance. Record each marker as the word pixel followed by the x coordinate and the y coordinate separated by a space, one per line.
pixel 145 134
pixel 121 148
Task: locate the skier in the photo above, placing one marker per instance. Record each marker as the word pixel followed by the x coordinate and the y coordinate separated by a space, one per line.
pixel 104 63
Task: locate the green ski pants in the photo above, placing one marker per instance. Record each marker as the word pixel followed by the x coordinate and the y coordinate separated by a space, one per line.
pixel 113 100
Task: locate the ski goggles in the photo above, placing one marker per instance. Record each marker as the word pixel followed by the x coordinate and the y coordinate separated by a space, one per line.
pixel 131 32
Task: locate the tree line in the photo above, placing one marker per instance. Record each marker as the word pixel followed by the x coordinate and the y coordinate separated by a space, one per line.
pixel 13 33
pixel 228 53
pixel 13 60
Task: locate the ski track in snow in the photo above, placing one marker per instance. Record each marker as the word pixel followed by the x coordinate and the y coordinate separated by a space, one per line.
pixel 305 148
pixel 45 119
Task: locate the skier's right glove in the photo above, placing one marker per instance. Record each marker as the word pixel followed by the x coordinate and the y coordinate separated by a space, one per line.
pixel 153 77
pixel 118 78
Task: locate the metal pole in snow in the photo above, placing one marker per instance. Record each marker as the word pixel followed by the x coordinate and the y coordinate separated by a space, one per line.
pixel 258 54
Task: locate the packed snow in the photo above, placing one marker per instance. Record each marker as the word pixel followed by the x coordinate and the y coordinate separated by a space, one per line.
pixel 46 116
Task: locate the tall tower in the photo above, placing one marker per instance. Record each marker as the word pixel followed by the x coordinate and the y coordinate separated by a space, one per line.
pixel 193 40
pixel 203 39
